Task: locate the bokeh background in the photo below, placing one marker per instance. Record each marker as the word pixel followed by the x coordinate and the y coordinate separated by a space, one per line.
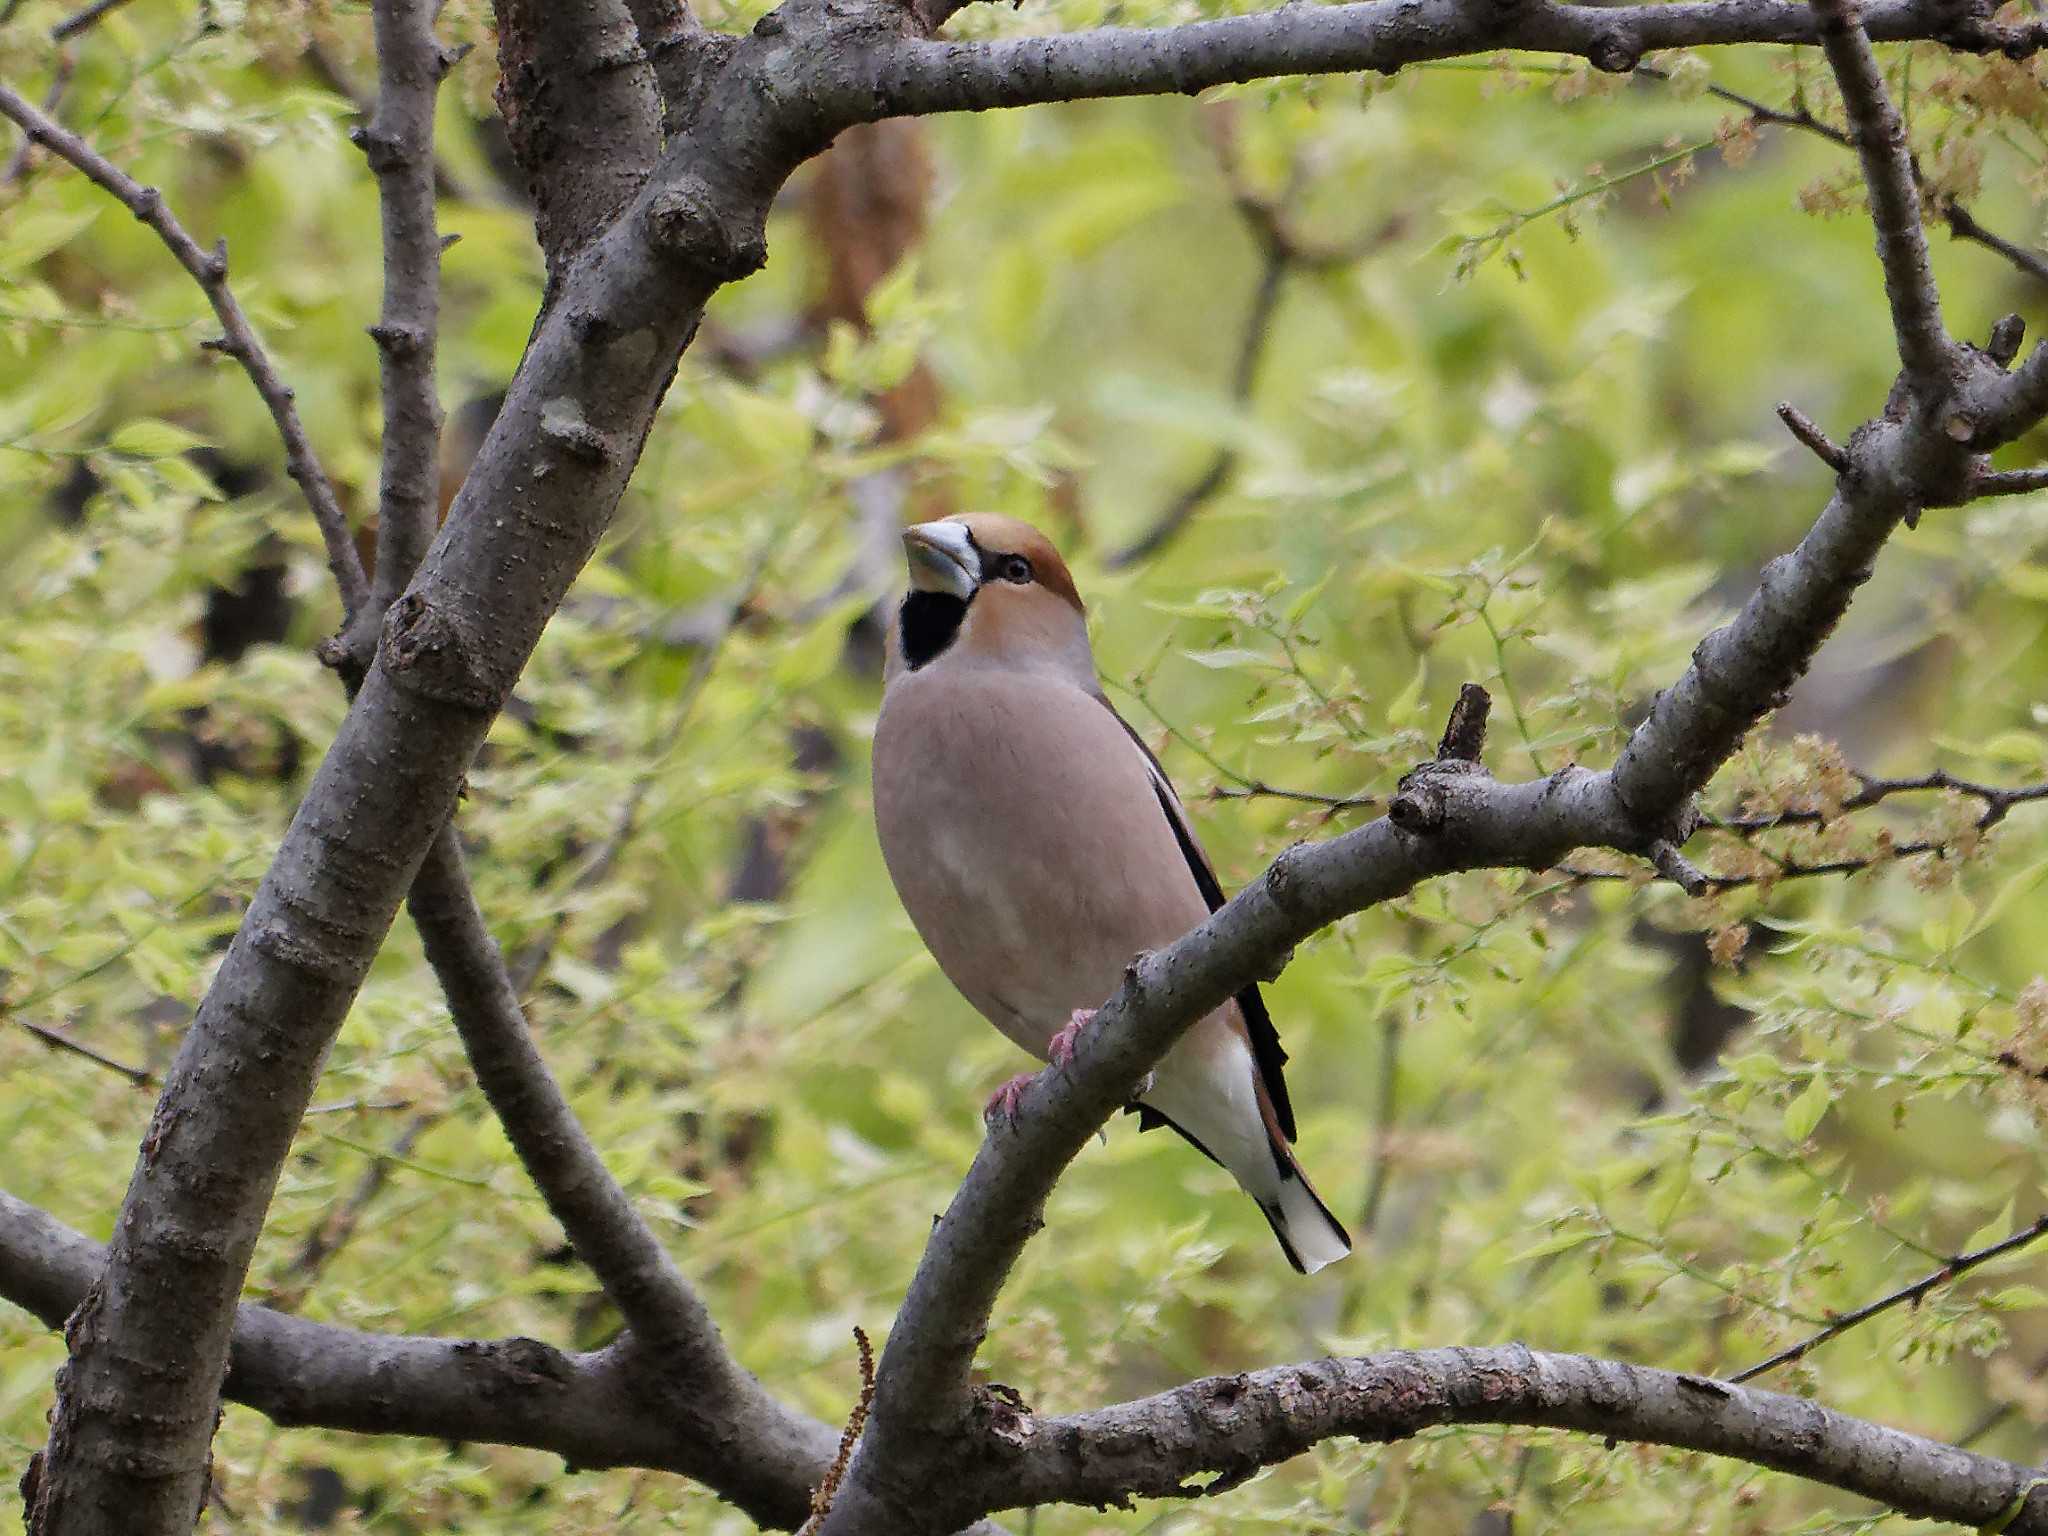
pixel 1507 418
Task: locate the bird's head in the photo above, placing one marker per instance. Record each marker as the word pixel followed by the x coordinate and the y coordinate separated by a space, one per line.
pixel 990 590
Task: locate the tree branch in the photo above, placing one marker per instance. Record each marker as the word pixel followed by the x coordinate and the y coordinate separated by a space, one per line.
pixel 920 76
pixel 1233 1425
pixel 581 112
pixel 238 338
pixel 398 141
pixel 156 1327
pixel 624 1405
pixel 603 1227
pixel 1880 139
pixel 1955 1268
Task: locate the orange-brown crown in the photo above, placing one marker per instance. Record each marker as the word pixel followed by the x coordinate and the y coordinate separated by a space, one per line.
pixel 996 534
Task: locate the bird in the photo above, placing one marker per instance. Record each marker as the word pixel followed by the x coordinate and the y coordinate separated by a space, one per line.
pixel 1038 846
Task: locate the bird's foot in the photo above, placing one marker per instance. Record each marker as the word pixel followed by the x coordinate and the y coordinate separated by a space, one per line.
pixel 1060 1049
pixel 1002 1104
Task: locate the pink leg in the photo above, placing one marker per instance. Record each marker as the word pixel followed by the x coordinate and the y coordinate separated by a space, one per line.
pixel 1002 1104
pixel 1060 1049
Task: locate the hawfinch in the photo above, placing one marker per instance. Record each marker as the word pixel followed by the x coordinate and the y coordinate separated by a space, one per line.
pixel 1038 846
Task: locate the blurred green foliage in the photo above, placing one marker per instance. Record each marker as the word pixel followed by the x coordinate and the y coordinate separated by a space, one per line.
pixel 1526 439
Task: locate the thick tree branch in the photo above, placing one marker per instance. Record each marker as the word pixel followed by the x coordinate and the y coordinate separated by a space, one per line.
pixel 1233 1425
pixel 594 1411
pixel 238 337
pixel 919 76
pixel 582 112
pixel 398 141
pixel 156 1326
pixel 625 1405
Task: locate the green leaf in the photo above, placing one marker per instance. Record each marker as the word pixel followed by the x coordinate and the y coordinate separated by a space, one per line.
pixel 1805 1112
pixel 148 438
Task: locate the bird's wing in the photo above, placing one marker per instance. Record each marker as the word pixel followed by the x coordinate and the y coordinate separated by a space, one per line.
pixel 1267 1054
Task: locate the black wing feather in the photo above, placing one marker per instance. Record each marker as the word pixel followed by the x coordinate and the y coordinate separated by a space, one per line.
pixel 1267 1054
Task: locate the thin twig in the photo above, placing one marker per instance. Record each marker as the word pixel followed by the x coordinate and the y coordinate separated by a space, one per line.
pixel 56 1039
pixel 1283 250
pixel 1808 431
pixel 84 20
pixel 1962 224
pixel 24 153
pixel 1956 1267
pixel 238 339
pixel 1383 1121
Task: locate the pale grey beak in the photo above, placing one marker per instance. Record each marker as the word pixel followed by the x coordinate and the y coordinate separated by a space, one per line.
pixel 942 559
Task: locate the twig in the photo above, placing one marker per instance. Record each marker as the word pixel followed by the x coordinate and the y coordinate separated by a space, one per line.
pixel 84 20
pixel 24 152
pixel 1383 1121
pixel 1259 789
pixel 1283 250
pixel 1674 866
pixel 1956 1267
pixel 56 1039
pixel 828 1486
pixel 238 339
pixel 1962 224
pixel 1803 427
pixel 2010 482
pixel 328 70
pixel 1997 800
pixel 1880 139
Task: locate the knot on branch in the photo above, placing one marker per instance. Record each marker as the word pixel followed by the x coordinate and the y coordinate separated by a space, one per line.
pixel 686 223
pixel 1000 1412
pixel 1615 53
pixel 1421 800
pixel 515 1365
pixel 425 652
pixel 563 424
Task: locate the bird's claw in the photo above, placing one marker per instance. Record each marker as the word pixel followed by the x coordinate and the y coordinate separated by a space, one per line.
pixel 1001 1108
pixel 1060 1049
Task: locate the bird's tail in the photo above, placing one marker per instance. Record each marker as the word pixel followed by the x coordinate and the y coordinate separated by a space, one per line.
pixel 1309 1235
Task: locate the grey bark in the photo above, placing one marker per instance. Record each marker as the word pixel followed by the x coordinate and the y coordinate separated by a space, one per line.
pixel 398 141
pixel 633 257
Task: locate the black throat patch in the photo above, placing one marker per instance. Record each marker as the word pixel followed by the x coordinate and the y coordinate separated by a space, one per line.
pixel 927 623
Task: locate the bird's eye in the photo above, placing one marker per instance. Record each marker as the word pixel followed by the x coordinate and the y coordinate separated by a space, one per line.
pixel 1016 568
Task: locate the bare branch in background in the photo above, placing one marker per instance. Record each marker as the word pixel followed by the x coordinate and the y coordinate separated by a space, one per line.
pixel 1954 1269
pixel 1283 250
pixel 238 337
